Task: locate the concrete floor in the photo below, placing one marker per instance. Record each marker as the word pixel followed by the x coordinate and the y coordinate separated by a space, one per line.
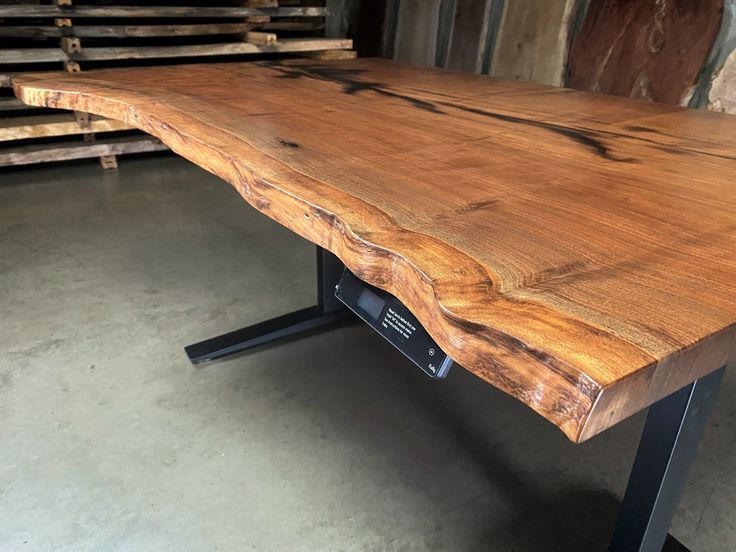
pixel 110 440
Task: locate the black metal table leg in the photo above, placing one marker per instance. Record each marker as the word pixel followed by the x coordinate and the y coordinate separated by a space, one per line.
pixel 668 446
pixel 328 312
pixel 329 271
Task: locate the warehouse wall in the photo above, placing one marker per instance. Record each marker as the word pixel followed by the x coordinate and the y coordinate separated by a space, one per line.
pixel 677 52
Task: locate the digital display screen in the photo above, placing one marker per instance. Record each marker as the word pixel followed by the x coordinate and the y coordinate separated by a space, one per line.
pixel 371 303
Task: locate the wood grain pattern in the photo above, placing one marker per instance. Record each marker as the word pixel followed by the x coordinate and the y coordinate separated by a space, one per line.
pixel 722 93
pixel 574 250
pixel 416 31
pixel 57 124
pixel 715 89
pixel 469 36
pixel 99 12
pixel 34 153
pixel 649 50
pixel 533 40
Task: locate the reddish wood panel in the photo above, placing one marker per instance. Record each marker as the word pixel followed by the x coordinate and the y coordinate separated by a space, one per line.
pixel 650 50
pixel 575 250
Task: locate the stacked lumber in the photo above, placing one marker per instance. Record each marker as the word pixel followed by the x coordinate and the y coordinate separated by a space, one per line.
pixel 78 35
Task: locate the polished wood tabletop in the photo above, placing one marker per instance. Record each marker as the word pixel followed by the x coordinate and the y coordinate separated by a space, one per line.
pixel 577 251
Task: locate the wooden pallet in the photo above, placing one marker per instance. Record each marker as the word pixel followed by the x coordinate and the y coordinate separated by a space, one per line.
pixel 80 37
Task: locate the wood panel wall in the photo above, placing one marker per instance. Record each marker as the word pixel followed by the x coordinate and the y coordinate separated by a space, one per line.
pixel 648 50
pixel 671 51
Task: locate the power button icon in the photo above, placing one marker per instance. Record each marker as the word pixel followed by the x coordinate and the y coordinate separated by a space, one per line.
pixel 431 351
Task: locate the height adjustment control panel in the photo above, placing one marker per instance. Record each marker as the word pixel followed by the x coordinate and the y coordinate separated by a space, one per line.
pixel 390 318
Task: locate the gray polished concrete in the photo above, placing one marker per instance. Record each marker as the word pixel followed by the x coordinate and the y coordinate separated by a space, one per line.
pixel 110 440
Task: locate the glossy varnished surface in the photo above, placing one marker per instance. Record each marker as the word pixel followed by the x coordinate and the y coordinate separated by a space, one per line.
pixel 575 250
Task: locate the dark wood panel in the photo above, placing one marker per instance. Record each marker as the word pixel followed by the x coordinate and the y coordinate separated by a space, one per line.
pixel 469 37
pixel 416 31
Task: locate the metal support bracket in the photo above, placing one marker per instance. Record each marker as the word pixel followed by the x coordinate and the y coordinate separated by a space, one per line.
pixel 668 446
pixel 327 313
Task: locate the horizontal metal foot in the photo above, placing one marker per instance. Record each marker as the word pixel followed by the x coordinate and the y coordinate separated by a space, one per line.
pixel 294 323
pixel 327 312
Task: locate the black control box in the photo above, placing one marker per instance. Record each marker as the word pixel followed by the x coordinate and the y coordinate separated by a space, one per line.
pixel 390 318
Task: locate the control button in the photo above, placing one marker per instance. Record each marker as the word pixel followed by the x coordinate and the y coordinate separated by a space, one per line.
pixel 431 351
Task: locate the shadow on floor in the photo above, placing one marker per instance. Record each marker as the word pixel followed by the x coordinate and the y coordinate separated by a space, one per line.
pixel 377 379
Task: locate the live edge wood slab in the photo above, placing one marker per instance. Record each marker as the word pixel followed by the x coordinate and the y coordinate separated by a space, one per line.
pixel 575 250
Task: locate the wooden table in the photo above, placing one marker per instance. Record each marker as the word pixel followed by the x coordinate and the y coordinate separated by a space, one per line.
pixel 576 251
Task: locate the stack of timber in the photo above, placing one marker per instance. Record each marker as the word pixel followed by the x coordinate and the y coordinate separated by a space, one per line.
pixel 79 35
